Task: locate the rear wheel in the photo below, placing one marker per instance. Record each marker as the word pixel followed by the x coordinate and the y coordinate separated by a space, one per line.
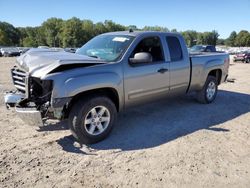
pixel 209 91
pixel 92 119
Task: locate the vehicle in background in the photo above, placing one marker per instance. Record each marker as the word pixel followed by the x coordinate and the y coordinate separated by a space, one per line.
pixel 0 50
pixel 43 47
pixel 110 73
pixel 57 49
pixel 247 60
pixel 243 56
pixel 202 48
pixel 22 50
pixel 71 50
pixel 10 52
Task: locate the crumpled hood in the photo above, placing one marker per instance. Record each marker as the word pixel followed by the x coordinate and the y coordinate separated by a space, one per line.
pixel 39 62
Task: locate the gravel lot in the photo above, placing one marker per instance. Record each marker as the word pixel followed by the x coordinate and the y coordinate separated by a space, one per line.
pixel 174 143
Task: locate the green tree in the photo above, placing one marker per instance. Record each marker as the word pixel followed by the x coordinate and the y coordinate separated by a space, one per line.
pixel 243 38
pixel 111 26
pixel 190 37
pixel 73 33
pixel 4 39
pixel 9 35
pixel 22 34
pixel 52 28
pixel 220 42
pixel 88 28
pixel 174 30
pixel 208 38
pixel 230 41
pixel 41 37
pixel 29 42
pixel 155 28
pixel 100 28
pixel 29 37
pixel 133 27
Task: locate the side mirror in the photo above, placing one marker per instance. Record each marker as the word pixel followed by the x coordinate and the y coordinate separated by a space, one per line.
pixel 141 57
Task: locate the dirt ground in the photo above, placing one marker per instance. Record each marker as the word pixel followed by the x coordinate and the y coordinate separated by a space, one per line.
pixel 175 143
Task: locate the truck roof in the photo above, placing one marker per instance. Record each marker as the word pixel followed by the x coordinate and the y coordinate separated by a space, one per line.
pixel 137 33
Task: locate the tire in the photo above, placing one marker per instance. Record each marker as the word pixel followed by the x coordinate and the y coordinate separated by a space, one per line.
pixel 87 124
pixel 209 91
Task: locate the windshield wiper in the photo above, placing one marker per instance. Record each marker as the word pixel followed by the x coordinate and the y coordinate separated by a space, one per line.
pixel 94 56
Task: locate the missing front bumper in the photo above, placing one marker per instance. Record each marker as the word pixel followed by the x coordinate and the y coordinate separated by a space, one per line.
pixel 30 116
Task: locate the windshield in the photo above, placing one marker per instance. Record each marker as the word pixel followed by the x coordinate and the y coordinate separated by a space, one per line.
pixel 106 47
pixel 11 49
pixel 197 48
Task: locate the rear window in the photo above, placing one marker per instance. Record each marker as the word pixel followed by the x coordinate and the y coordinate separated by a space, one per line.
pixel 210 49
pixel 174 48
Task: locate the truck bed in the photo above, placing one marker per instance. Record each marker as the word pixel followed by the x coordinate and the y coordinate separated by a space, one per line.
pixel 205 53
pixel 202 63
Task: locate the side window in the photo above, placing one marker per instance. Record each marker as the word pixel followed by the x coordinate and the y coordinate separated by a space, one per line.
pixel 151 45
pixel 209 49
pixel 174 48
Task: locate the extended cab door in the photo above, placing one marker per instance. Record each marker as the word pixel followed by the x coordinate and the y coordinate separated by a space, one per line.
pixel 146 81
pixel 179 66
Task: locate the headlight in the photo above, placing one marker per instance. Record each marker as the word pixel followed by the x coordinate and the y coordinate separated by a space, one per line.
pixel 40 88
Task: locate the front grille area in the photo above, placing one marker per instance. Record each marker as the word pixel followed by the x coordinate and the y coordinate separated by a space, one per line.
pixel 19 79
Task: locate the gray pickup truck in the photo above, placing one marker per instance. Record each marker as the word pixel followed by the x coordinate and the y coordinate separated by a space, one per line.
pixel 110 73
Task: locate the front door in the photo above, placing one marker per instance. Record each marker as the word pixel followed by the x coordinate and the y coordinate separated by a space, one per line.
pixel 146 81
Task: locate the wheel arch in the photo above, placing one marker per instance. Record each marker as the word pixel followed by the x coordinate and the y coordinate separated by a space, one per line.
pixel 217 73
pixel 109 92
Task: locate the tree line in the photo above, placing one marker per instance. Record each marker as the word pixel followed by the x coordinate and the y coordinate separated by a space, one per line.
pixel 56 32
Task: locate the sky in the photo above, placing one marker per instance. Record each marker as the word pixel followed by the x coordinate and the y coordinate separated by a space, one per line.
pixel 223 16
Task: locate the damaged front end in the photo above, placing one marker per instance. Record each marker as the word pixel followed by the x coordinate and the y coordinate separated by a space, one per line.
pixel 37 79
pixel 31 99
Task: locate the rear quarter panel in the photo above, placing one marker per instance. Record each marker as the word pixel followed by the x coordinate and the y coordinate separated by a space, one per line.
pixel 203 64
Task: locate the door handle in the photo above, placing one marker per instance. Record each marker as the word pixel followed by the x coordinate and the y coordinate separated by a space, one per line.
pixel 162 70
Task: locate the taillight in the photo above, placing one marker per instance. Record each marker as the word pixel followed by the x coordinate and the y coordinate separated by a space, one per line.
pixel 226 63
pixel 226 60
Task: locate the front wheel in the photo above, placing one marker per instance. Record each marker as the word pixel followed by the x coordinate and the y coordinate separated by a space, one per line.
pixel 209 91
pixel 92 119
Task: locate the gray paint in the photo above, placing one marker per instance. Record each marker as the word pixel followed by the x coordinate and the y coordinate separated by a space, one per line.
pixel 134 84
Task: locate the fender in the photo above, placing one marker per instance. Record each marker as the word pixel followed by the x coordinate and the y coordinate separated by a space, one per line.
pixel 76 85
